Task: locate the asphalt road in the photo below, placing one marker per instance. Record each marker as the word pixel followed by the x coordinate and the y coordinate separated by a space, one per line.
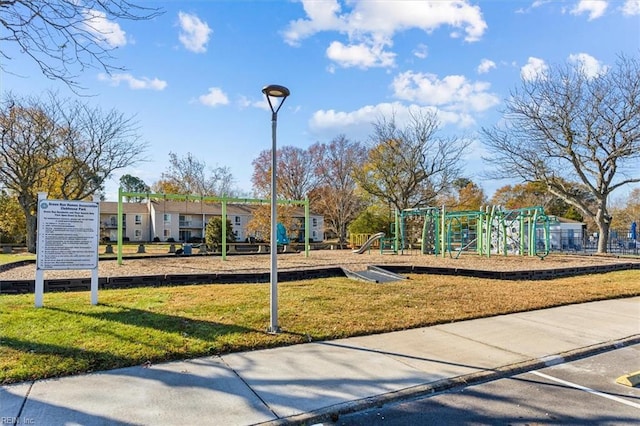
pixel 583 392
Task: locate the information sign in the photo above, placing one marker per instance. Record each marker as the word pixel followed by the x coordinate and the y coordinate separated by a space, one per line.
pixel 68 234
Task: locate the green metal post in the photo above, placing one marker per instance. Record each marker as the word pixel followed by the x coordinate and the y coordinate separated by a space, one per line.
pixel 307 214
pixel 489 227
pixel 424 233
pixel 120 216
pixel 502 230
pixel 436 237
pixel 521 218
pixel 534 227
pixel 479 232
pixel 224 230
pixel 442 230
pixel 397 232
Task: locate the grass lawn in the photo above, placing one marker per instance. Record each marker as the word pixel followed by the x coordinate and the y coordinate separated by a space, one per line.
pixel 133 326
pixel 15 257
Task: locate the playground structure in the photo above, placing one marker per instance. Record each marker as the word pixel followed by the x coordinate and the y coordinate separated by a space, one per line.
pixel 224 201
pixel 492 230
pixel 367 244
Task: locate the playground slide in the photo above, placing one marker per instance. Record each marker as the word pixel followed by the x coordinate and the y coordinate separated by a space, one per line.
pixel 368 243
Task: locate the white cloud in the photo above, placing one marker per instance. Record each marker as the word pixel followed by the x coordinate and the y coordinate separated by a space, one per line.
pixel 370 25
pixel 133 82
pixel 539 3
pixel 485 66
pixel 358 123
pixel 421 51
pixel 214 97
pixel 452 93
pixel 534 68
pixel 589 65
pixel 359 55
pixel 631 8
pixel 322 17
pixel 534 5
pixel 194 33
pixel 261 103
pixel 595 8
pixel 109 32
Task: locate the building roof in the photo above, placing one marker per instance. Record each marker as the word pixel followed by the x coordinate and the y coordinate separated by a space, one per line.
pixel 198 207
pixel 192 207
pixel 565 220
pixel 111 207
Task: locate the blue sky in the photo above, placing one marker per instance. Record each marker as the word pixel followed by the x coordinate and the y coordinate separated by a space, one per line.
pixel 194 74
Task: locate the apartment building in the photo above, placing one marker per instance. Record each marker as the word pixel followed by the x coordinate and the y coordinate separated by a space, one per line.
pixel 184 221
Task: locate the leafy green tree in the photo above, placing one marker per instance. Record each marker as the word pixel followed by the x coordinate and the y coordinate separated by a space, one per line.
pixel 570 129
pixel 130 183
pixel 213 233
pixel 371 221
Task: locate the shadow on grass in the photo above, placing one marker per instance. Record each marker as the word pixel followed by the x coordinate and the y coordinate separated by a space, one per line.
pixel 97 343
pixel 69 359
pixel 184 326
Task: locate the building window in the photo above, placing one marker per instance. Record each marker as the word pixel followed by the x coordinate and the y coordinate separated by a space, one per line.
pixel 167 233
pixel 238 221
pixel 167 217
pixel 137 233
pixel 314 222
pixel 138 219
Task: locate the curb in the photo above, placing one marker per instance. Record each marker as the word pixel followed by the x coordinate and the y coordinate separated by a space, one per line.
pixel 332 413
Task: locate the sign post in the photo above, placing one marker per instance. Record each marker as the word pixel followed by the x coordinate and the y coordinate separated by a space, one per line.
pixel 68 238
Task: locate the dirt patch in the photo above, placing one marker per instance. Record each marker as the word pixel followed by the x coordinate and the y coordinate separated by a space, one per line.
pixel 197 264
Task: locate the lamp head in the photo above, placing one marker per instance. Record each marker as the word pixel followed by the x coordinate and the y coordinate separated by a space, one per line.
pixel 276 91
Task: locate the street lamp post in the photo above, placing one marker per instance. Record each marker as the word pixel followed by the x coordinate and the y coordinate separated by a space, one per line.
pixel 281 92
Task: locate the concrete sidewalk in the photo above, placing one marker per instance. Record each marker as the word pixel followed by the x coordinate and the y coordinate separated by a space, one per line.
pixel 307 383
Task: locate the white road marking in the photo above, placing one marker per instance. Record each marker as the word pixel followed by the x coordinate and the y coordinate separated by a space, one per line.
pixel 586 389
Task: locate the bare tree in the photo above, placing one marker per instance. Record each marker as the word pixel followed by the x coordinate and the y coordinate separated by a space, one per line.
pixel 295 176
pixel 188 175
pixel 568 129
pixel 336 197
pixel 63 37
pixel 62 147
pixel 410 166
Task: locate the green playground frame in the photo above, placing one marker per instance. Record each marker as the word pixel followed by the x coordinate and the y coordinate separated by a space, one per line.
pixel 492 230
pixel 222 200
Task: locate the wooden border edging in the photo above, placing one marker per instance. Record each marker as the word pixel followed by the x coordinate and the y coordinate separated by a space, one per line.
pixel 84 284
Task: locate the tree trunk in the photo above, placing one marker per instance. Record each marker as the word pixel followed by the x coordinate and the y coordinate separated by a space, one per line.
pixel 28 205
pixel 603 221
pixel 603 238
pixel 32 228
